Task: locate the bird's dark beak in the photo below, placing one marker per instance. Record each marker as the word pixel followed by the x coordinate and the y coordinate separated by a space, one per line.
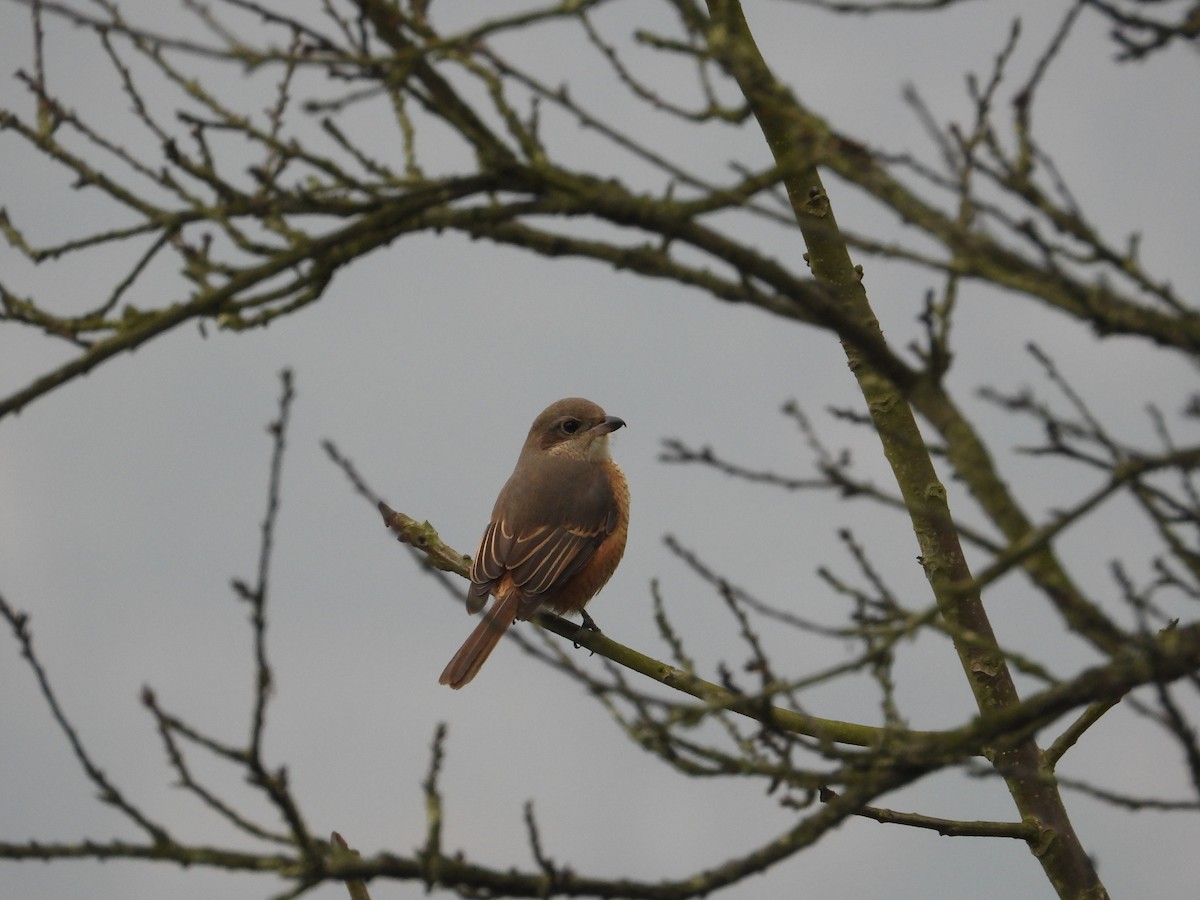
pixel 607 424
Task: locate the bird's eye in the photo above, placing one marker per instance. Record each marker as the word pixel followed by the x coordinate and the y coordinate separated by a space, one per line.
pixel 570 426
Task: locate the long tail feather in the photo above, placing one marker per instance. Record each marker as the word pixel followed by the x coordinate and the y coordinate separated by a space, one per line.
pixel 483 640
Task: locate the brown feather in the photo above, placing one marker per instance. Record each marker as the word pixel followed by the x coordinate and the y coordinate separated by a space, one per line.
pixel 482 641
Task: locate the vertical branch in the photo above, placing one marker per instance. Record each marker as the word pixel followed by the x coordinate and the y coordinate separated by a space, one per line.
pixel 799 142
pixel 258 596
pixel 275 784
pixel 431 854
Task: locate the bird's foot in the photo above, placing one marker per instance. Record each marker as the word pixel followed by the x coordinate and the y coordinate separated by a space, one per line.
pixel 588 624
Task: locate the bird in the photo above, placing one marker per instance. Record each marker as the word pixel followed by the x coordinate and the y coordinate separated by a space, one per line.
pixel 556 534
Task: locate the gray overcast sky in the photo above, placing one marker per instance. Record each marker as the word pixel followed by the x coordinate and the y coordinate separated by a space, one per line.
pixel 131 497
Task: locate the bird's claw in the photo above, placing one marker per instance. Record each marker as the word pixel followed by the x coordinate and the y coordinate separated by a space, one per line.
pixel 588 624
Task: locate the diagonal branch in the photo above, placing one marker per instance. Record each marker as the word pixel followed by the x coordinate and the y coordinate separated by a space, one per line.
pixel 789 130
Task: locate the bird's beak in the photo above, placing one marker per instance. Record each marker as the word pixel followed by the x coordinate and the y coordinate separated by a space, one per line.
pixel 608 424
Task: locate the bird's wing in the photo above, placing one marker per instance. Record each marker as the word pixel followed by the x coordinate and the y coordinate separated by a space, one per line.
pixel 539 560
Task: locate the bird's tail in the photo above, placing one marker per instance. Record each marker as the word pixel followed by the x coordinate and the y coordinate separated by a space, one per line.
pixel 478 647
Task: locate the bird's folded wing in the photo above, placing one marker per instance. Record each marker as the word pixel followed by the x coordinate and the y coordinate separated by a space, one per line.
pixel 538 561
